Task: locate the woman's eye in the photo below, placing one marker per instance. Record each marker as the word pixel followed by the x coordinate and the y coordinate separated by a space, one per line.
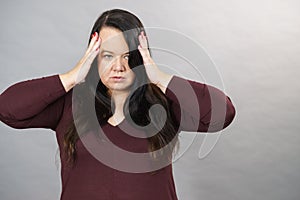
pixel 107 56
pixel 126 57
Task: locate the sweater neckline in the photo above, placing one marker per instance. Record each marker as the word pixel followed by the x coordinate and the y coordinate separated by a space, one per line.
pixel 117 125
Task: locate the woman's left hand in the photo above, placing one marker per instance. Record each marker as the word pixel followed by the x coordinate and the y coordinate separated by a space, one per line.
pixel 156 76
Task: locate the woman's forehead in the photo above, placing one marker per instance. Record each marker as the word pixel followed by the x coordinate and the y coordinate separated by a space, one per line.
pixel 113 40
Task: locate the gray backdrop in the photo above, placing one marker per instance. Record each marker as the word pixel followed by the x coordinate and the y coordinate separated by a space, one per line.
pixel 254 44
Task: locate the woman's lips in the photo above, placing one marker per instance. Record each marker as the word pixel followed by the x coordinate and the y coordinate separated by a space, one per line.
pixel 117 78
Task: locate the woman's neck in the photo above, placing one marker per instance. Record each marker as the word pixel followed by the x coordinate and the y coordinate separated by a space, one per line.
pixel 119 98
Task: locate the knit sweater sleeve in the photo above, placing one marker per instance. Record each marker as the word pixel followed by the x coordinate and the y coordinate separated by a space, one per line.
pixel 34 103
pixel 198 107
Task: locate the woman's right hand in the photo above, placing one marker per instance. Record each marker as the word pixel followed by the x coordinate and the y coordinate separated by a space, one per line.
pixel 78 73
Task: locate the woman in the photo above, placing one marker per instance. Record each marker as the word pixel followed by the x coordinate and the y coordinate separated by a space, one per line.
pixel 118 81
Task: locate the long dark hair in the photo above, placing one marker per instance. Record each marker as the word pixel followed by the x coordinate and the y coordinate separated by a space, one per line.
pixel 144 94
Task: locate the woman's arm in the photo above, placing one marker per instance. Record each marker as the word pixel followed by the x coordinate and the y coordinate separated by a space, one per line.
pixel 38 103
pixel 35 103
pixel 195 106
pixel 199 107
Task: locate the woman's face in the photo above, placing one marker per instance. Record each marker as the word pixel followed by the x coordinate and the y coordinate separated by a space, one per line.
pixel 113 67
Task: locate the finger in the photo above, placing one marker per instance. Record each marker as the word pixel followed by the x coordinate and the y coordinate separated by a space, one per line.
pixel 92 42
pixel 96 48
pixel 97 44
pixel 93 49
pixel 143 44
pixel 144 51
pixel 145 55
pixel 143 40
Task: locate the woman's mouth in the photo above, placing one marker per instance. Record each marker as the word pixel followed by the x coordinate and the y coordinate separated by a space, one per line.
pixel 117 78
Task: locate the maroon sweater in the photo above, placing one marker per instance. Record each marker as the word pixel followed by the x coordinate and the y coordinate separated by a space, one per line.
pixel 44 103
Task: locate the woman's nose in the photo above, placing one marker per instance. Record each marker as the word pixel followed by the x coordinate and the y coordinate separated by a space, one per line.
pixel 118 64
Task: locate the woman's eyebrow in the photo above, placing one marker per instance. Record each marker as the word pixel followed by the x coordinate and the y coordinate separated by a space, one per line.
pixel 111 51
pixel 106 51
